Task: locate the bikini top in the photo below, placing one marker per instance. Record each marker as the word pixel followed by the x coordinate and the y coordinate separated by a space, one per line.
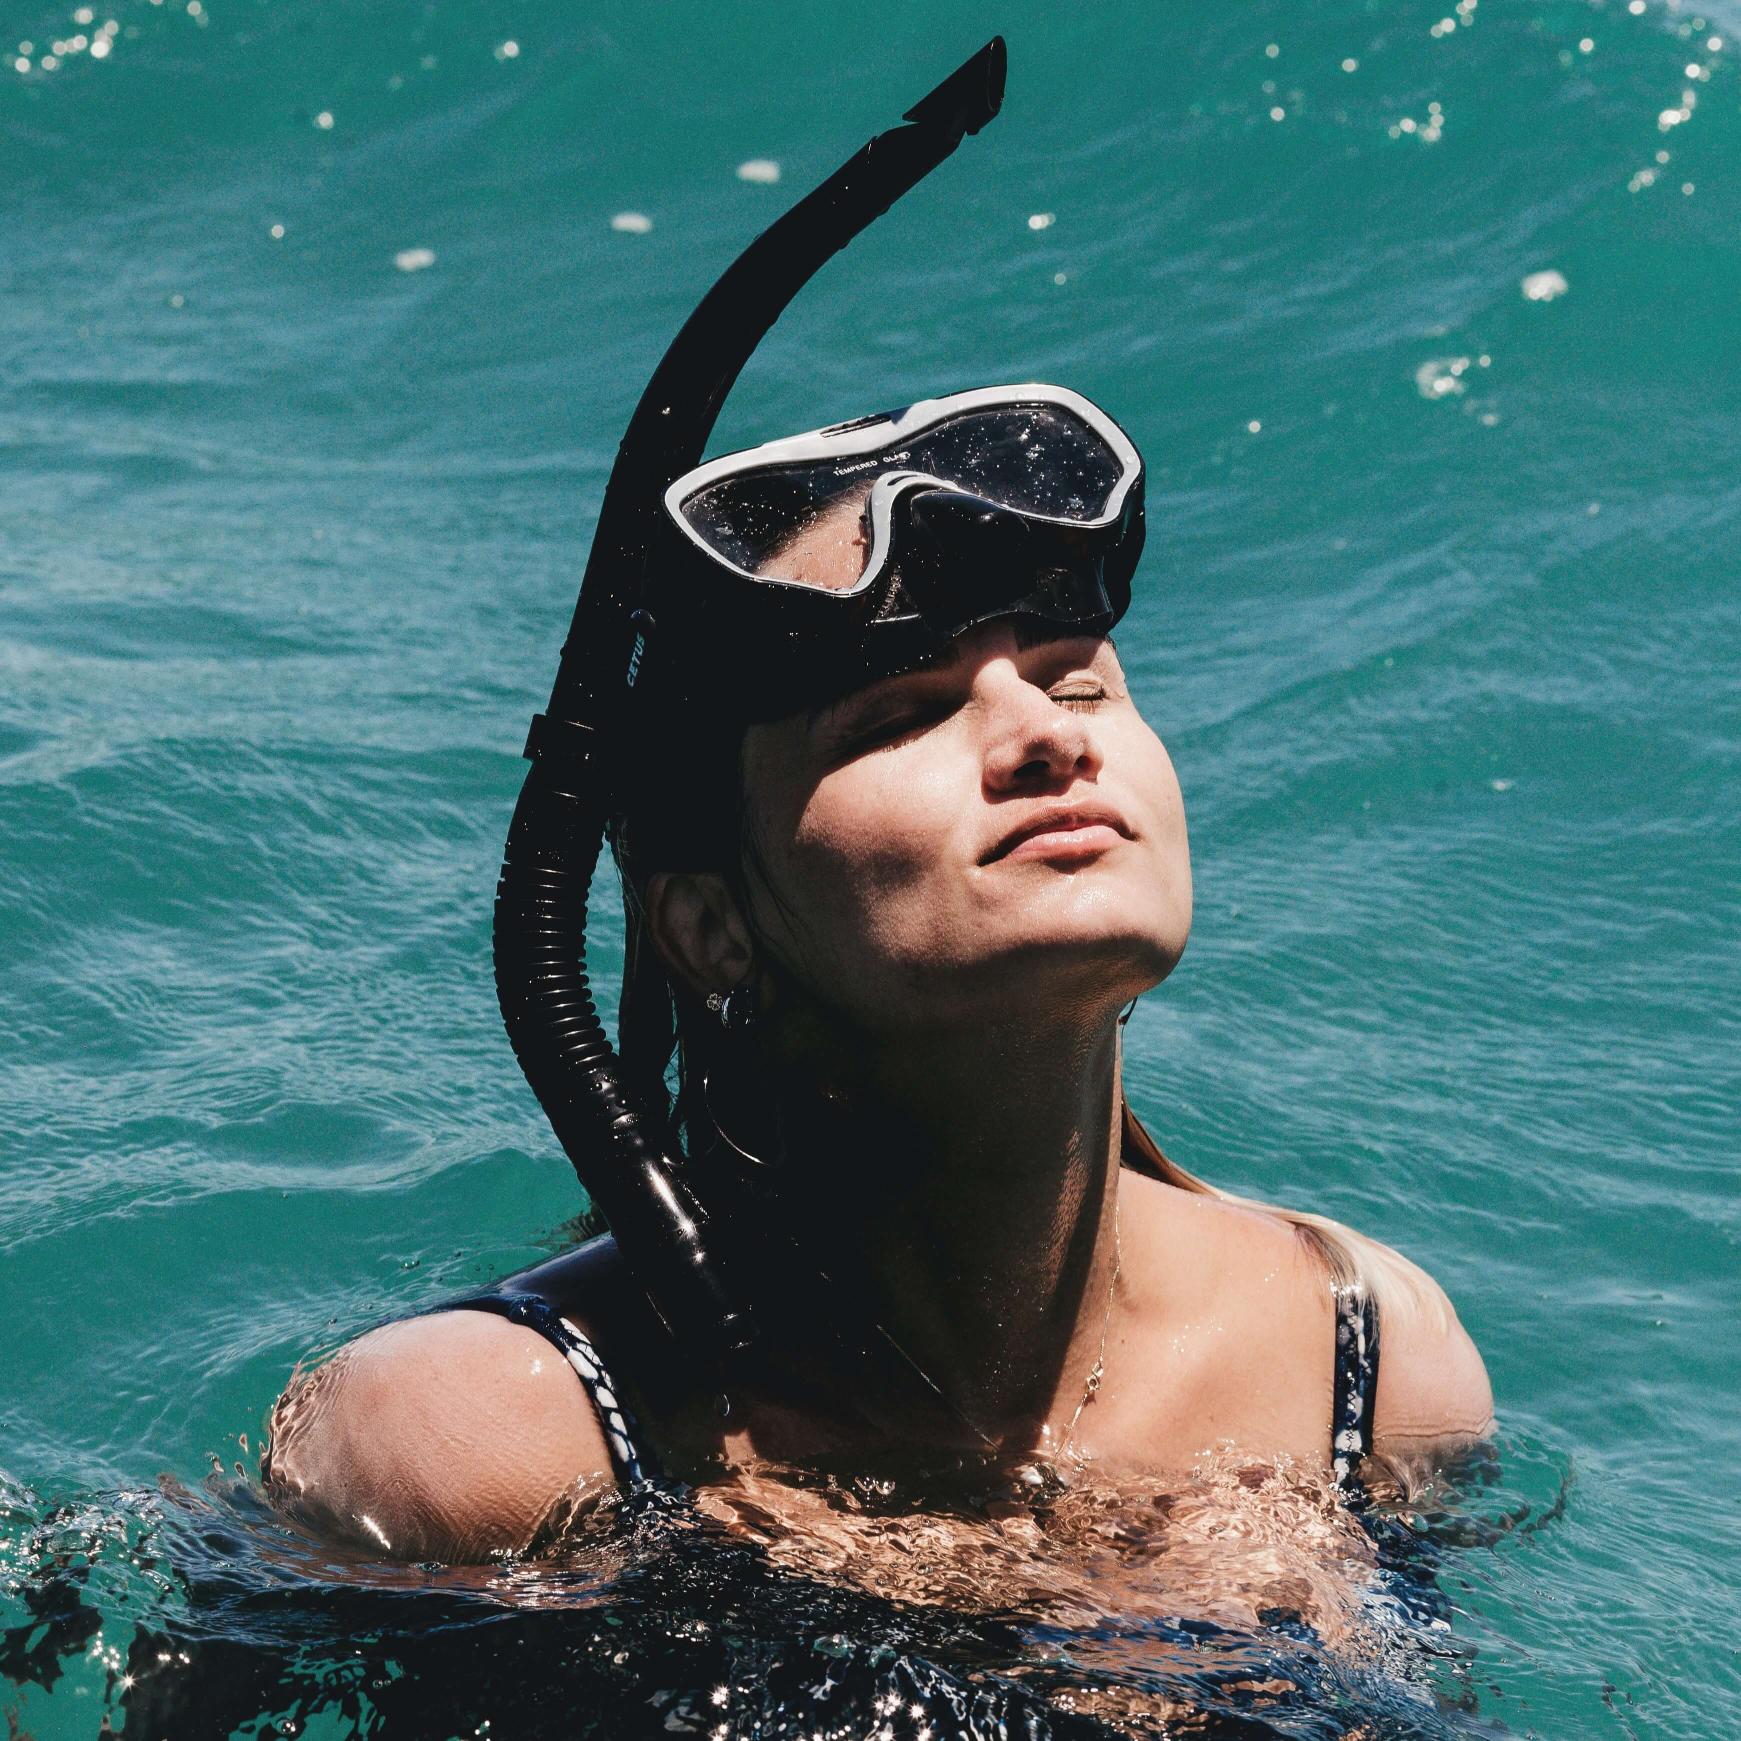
pixel 1354 1394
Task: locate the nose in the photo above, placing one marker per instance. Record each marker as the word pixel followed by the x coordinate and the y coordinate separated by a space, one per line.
pixel 1032 744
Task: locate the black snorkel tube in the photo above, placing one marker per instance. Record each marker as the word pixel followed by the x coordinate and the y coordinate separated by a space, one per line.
pixel 570 794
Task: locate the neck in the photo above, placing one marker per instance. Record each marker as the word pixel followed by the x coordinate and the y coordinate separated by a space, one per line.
pixel 963 1195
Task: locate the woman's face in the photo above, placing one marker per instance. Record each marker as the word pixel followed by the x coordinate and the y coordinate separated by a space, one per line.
pixel 950 845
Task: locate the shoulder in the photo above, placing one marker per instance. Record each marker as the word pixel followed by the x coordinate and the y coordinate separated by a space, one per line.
pixel 1434 1398
pixel 1265 1277
pixel 458 1436
pixel 1242 1322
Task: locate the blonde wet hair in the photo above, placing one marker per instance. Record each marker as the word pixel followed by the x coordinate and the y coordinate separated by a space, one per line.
pixel 1400 1290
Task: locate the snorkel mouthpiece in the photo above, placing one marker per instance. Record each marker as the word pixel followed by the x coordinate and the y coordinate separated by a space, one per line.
pixel 616 1146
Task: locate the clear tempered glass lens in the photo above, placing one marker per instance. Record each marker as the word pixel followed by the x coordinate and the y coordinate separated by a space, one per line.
pixel 805 521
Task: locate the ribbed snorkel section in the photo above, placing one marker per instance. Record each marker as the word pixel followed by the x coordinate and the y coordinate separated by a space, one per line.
pixel 553 1025
pixel 570 792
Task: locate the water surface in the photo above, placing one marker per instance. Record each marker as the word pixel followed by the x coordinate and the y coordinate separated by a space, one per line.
pixel 1438 619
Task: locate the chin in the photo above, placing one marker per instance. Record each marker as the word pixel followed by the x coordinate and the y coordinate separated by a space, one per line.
pixel 1144 922
pixel 1114 964
pixel 1086 963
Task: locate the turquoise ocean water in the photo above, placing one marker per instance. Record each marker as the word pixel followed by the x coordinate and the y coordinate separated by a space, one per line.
pixel 1439 620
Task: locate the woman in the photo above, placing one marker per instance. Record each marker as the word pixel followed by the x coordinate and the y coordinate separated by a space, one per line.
pixel 951 884
pixel 900 845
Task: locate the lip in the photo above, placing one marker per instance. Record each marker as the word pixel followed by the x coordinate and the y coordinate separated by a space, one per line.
pixel 1078 831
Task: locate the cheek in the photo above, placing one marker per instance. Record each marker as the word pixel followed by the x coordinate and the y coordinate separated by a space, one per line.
pixel 864 859
pixel 1157 784
pixel 1161 783
pixel 880 825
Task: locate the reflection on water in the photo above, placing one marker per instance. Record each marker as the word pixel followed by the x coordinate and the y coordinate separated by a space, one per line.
pixel 1247 1602
pixel 1438 620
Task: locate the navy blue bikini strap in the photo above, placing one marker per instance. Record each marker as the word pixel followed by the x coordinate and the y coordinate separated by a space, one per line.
pixel 633 1467
pixel 1356 1387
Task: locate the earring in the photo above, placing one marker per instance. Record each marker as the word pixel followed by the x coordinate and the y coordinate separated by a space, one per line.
pixel 736 1010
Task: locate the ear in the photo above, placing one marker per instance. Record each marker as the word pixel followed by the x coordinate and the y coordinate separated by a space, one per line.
pixel 699 930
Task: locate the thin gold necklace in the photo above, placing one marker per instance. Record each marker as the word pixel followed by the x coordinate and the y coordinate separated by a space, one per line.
pixel 1097 1372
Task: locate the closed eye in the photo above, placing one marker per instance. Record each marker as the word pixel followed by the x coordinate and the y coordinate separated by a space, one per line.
pixel 1079 689
pixel 877 730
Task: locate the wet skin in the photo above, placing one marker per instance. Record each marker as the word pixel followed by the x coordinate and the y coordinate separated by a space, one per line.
pixel 1006 832
pixel 958 878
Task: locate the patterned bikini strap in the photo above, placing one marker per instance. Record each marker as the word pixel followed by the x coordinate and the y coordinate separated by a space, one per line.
pixel 633 1467
pixel 1356 1385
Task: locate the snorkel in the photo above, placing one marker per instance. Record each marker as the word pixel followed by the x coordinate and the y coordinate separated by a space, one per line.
pixel 577 745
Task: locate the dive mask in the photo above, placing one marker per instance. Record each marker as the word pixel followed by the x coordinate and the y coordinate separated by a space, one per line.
pixel 824 561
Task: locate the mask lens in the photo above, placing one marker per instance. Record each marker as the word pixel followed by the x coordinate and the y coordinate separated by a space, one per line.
pixel 803 523
pixel 806 521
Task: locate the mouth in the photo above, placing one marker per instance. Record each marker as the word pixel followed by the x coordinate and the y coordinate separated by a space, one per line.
pixel 1073 832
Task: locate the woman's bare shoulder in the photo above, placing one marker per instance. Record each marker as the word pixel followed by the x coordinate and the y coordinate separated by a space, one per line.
pixel 1275 1276
pixel 458 1436
pixel 1434 1398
